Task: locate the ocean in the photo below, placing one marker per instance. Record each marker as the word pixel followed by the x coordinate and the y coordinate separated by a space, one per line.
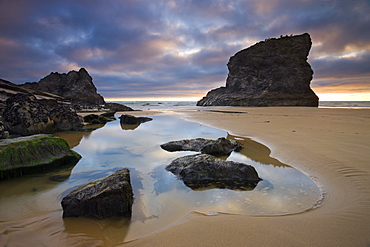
pixel 150 105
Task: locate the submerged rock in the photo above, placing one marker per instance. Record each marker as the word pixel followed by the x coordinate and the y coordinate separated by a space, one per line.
pixel 274 72
pixel 221 146
pixel 32 154
pixel 206 171
pixel 129 119
pixel 110 196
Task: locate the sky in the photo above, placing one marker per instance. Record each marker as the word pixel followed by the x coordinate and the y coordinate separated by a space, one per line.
pixel 178 50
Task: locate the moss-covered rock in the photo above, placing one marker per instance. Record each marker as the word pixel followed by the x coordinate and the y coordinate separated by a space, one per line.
pixel 19 156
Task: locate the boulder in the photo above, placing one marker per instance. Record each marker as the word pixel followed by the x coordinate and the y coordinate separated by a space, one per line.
pixel 221 146
pixel 274 72
pixel 128 119
pixel 25 115
pixel 206 171
pixel 109 114
pixel 96 119
pixel 34 153
pixel 110 196
pixel 76 86
pixel 65 118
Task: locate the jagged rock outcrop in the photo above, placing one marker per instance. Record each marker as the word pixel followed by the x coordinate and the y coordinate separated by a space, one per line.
pixel 221 146
pixel 74 86
pixel 110 196
pixel 8 89
pixel 274 72
pixel 204 171
pixel 34 153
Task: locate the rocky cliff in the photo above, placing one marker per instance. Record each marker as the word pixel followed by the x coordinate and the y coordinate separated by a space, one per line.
pixel 274 72
pixel 74 86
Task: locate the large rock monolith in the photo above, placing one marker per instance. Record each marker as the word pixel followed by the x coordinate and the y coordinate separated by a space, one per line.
pixel 274 72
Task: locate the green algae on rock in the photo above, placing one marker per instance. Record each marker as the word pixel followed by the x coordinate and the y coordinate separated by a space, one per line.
pixel 34 153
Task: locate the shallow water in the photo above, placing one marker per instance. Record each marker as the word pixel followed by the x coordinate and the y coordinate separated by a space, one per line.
pixel 30 206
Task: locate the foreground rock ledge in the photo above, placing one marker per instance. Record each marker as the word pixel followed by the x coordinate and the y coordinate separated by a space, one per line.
pixel 31 154
pixel 110 196
pixel 274 72
pixel 203 171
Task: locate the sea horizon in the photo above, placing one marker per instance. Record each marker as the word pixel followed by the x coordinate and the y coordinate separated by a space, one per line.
pixel 163 104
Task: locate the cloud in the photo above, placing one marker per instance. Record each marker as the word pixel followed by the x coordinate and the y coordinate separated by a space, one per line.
pixel 149 48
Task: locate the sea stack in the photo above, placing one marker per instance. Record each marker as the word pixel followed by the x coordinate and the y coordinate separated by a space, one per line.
pixel 274 72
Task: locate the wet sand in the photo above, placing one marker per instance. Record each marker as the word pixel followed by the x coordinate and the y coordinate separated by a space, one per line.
pixel 332 146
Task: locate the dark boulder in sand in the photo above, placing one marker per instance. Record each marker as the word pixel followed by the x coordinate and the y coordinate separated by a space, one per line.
pixel 202 171
pixel 274 72
pixel 110 196
pixel 129 119
pixel 221 146
pixel 34 153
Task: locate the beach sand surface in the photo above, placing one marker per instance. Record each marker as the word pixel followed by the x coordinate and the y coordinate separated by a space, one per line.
pixel 332 146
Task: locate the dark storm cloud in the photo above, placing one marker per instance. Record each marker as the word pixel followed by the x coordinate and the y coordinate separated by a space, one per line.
pixel 175 48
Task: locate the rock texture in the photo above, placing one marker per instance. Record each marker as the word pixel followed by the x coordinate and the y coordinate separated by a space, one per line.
pixel 221 146
pixel 110 196
pixel 25 115
pixel 65 118
pixel 204 171
pixel 31 154
pixel 3 133
pixel 274 72
pixel 74 86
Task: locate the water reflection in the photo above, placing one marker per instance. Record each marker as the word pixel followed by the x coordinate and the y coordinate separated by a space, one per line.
pixel 129 126
pixel 159 197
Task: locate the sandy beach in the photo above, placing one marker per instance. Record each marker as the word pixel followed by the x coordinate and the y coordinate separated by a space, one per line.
pixel 330 145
